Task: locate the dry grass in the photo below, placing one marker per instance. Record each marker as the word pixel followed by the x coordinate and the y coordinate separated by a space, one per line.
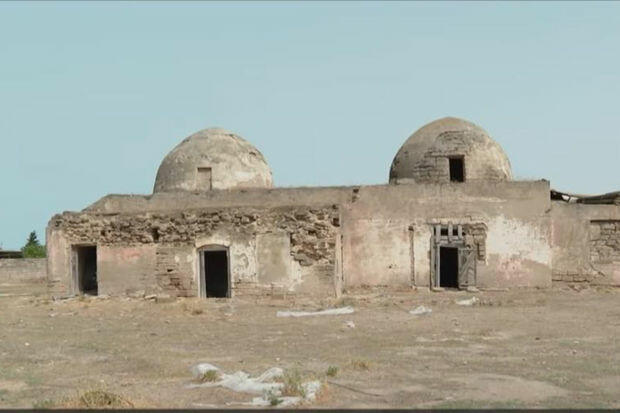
pixel 332 371
pixel 210 376
pixel 89 399
pixel 193 308
pixel 293 384
pixel 324 394
pixel 363 365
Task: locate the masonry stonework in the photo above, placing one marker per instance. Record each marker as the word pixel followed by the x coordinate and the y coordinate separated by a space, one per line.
pixel 605 242
pixel 214 192
pixel 173 237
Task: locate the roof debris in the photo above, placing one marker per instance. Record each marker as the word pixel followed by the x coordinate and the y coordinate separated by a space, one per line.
pixel 611 198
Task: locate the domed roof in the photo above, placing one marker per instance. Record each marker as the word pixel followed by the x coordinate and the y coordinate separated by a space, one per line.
pixel 426 155
pixel 213 159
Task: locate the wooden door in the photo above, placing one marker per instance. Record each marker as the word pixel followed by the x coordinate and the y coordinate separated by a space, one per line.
pixel 467 267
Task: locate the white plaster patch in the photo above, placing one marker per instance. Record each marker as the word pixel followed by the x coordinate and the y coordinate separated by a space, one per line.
pixel 421 248
pixel 243 260
pixel 242 253
pixel 330 311
pixel 512 238
pixel 295 276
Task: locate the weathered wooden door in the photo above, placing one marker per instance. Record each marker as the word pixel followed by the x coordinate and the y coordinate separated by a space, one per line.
pixel 467 267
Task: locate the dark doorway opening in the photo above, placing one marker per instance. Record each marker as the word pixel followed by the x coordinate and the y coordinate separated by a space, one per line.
pixel 457 170
pixel 86 257
pixel 449 267
pixel 215 273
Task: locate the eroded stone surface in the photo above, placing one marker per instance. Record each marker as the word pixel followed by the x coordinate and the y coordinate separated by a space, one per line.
pixel 425 155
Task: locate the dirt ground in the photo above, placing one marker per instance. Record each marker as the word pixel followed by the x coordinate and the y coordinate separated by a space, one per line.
pixel 520 348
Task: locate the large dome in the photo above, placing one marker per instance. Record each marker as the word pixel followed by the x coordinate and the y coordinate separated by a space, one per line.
pixel 213 159
pixel 450 149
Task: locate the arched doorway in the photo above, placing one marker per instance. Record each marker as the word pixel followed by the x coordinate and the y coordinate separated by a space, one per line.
pixel 214 271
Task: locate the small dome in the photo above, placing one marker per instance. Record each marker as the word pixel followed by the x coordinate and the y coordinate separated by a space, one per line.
pixel 213 159
pixel 450 149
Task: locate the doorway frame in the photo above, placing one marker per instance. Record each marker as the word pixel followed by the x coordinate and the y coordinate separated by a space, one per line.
pixel 452 236
pixel 202 273
pixel 75 267
pixel 457 247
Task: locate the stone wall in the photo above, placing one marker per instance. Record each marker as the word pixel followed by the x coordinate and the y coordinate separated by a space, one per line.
pixel 586 243
pixel 424 156
pixel 384 233
pixel 605 242
pixel 433 166
pixel 173 237
pixel 18 270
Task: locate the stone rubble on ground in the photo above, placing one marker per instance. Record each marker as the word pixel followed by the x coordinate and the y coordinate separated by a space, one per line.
pixel 331 311
pixel 468 302
pixel 421 310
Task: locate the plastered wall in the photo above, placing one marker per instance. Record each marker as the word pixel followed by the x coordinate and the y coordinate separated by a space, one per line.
pixel 18 270
pixel 585 243
pixel 387 232
pixel 283 240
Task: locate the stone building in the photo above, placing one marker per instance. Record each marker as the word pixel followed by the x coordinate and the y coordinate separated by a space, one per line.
pixel 451 216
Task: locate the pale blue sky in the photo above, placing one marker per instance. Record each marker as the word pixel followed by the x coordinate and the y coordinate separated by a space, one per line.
pixel 93 95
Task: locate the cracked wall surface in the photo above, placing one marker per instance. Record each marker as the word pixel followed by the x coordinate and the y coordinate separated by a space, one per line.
pixel 586 243
pixel 605 241
pixel 424 157
pixel 157 251
pixel 361 235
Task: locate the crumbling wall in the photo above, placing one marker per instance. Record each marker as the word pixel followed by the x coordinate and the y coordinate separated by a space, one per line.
pixel 605 241
pixel 162 246
pixel 586 243
pixel 20 270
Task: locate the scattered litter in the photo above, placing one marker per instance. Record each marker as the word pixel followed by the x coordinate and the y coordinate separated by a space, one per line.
pixel 200 369
pixel 350 324
pixel 262 385
pixel 331 311
pixel 421 310
pixel 240 381
pixel 311 388
pixel 468 302
pixel 205 405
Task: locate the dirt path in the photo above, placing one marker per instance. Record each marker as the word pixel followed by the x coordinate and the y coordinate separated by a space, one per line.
pixel 524 348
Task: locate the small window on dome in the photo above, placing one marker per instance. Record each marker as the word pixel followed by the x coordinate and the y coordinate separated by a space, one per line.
pixel 457 169
pixel 203 179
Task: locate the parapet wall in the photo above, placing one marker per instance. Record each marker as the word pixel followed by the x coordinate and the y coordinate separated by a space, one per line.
pixel 18 270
